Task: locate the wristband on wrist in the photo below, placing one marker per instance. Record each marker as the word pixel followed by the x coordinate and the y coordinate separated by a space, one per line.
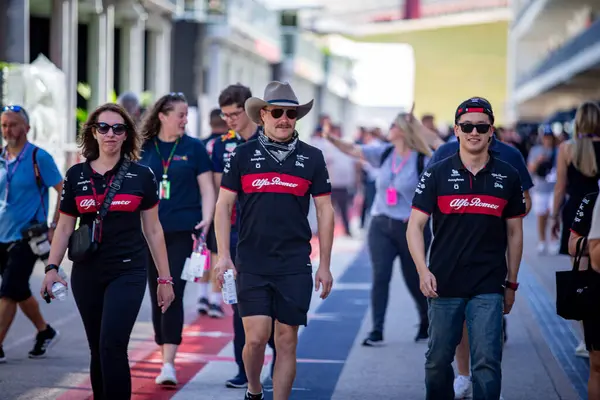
pixel 511 285
pixel 50 267
pixel 165 281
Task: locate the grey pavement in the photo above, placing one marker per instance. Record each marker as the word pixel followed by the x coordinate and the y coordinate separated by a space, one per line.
pixel 396 370
pixel 67 363
pixel 538 359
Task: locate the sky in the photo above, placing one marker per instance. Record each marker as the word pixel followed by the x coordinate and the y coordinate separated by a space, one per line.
pixel 384 72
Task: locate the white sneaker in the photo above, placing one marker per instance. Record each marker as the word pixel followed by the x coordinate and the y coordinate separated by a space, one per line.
pixel 463 388
pixel 541 248
pixel 581 351
pixel 167 376
pixel 554 248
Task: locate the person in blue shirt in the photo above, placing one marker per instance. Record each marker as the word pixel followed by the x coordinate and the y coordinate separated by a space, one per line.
pixel 512 156
pixel 26 174
pixel 187 200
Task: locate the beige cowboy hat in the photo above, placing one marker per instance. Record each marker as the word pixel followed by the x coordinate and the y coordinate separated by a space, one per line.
pixel 276 94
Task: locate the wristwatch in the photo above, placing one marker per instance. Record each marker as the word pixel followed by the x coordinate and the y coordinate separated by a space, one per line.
pixel 50 267
pixel 53 225
pixel 511 285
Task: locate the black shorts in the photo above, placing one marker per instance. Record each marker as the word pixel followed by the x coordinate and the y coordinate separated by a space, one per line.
pixel 591 332
pixel 16 266
pixel 285 298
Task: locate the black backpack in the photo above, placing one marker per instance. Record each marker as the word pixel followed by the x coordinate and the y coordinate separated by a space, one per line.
pixel 420 159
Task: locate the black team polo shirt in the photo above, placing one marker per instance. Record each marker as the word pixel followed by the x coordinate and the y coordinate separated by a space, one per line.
pixel 122 243
pixel 469 212
pixel 274 199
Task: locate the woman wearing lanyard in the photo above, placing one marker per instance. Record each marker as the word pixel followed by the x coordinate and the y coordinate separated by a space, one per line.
pixel 400 164
pixel 109 283
pixel 185 179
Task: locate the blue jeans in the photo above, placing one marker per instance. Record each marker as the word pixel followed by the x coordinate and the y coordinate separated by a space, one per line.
pixel 483 314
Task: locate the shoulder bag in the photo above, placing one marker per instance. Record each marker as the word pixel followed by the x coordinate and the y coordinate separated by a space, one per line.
pixel 83 243
pixel 578 292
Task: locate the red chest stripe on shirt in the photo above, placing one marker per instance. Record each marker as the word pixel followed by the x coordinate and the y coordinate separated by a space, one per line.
pixel 121 202
pixel 472 204
pixel 272 182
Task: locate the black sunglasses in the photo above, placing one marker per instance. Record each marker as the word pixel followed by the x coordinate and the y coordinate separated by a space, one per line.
pixel 103 128
pixel 278 113
pixel 481 128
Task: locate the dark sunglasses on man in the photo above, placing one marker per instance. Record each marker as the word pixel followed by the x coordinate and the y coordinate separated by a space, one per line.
pixel 468 127
pixel 103 128
pixel 278 113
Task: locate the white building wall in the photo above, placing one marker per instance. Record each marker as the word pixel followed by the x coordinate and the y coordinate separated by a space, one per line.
pixel 305 91
pixel 227 64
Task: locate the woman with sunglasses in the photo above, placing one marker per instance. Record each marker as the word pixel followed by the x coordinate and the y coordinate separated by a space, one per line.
pixel 187 201
pixel 109 285
pixel 400 163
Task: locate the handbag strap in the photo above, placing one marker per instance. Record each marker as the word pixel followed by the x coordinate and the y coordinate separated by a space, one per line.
pixel 114 187
pixel 579 250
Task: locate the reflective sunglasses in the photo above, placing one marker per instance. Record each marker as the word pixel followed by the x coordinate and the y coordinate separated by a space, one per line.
pixel 232 115
pixel 177 96
pixel 17 109
pixel 103 128
pixel 481 128
pixel 278 113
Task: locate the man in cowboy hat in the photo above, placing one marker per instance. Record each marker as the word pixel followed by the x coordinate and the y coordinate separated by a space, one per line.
pixel 273 178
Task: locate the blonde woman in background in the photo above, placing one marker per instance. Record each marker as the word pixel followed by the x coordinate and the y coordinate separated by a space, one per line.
pixel 576 176
pixel 400 161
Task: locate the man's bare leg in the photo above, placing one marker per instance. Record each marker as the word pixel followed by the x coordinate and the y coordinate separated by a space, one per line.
pixel 286 340
pixel 31 309
pixel 258 332
pixel 8 310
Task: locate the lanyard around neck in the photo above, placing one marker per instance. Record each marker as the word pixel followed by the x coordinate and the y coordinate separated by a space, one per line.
pixel 167 163
pixel 399 167
pixel 9 173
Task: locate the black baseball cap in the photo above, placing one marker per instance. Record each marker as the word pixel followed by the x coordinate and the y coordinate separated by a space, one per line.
pixel 475 104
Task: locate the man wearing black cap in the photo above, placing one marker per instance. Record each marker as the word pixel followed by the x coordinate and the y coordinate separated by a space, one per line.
pixel 512 156
pixel 476 202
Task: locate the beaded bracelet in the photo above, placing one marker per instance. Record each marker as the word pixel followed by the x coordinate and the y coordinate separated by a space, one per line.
pixel 165 281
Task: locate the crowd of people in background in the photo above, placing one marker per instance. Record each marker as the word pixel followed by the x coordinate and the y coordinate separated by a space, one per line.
pixel 372 179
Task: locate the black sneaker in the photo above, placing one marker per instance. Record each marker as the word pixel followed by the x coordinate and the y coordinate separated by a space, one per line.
pixel 237 382
pixel 2 356
pixel 215 311
pixel 422 334
pixel 249 396
pixel 374 339
pixel 44 342
pixel 203 306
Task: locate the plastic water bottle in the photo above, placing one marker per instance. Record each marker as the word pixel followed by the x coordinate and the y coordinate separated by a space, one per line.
pixel 58 289
pixel 229 291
